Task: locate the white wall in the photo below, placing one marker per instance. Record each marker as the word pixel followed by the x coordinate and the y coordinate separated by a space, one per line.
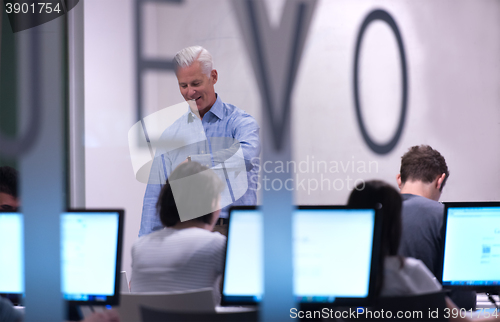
pixel 109 113
pixel 453 56
pixel 453 51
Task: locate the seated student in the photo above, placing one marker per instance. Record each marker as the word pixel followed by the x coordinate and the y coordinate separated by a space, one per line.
pixel 8 189
pixel 9 201
pixel 397 275
pixel 422 176
pixel 8 313
pixel 184 255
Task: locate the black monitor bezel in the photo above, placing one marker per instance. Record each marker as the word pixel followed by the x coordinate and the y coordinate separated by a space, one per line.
pixel 340 301
pixel 113 300
pixel 493 289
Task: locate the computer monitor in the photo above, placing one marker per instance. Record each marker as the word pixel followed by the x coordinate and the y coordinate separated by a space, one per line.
pixel 91 247
pixel 471 252
pixel 11 255
pixel 335 250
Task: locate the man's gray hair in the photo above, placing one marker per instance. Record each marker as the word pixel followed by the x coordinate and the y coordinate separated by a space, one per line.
pixel 187 56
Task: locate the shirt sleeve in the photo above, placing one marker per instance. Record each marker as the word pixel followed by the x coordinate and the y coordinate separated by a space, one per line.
pixel 426 282
pixel 244 146
pixel 157 177
pixel 219 252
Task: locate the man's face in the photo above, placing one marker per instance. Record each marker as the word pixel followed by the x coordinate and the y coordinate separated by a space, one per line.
pixel 8 202
pixel 197 86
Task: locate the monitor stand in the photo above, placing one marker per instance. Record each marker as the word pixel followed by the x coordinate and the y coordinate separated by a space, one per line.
pixel 73 312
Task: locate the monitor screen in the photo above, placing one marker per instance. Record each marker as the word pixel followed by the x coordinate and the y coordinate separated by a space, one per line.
pixel 244 266
pixel 11 253
pixel 471 257
pixel 91 256
pixel 332 255
pixel 91 243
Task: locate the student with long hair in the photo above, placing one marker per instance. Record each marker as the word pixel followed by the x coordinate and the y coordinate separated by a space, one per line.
pixel 397 275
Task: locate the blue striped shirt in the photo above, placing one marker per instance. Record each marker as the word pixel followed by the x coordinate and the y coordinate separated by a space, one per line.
pixel 226 140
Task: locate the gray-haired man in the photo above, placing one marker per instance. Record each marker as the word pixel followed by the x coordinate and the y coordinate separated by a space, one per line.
pixel 215 134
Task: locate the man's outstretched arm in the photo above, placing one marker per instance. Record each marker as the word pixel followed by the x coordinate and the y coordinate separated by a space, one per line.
pixel 245 135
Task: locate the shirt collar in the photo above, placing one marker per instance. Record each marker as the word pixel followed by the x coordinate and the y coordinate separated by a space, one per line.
pixel 217 110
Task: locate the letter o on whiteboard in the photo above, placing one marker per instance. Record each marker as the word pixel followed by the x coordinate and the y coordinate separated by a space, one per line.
pixel 383 15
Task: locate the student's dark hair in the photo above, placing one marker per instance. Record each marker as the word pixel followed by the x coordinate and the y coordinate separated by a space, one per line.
pixel 197 192
pixel 8 180
pixel 373 194
pixel 423 163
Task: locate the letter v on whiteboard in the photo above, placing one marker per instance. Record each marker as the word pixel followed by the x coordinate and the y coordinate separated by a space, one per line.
pixel 275 54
